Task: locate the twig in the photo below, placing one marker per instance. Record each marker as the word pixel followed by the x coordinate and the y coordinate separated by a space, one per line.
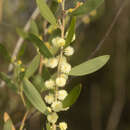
pixel 23 121
pixel 21 40
pixel 120 70
pixel 108 31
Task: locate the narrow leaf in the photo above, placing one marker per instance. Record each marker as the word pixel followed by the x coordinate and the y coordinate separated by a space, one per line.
pixel 22 50
pixel 89 66
pixel 34 97
pixel 38 82
pixel 34 28
pixel 8 81
pixel 71 31
pixel 87 7
pixel 42 48
pixel 4 52
pixel 45 74
pixel 32 67
pixel 46 12
pixel 72 96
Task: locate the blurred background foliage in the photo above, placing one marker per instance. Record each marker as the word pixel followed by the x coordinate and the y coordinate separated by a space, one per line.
pixel 105 97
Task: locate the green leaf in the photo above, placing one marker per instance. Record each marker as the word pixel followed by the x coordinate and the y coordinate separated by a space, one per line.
pixel 87 7
pixel 72 96
pixel 42 48
pixel 21 33
pixel 4 53
pixel 33 66
pixel 8 125
pixel 34 97
pixel 70 31
pixel 54 6
pixel 22 50
pixel 46 12
pixel 34 28
pixel 38 82
pixel 8 81
pixel 89 66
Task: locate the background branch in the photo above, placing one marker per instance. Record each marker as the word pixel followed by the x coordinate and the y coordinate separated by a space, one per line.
pixel 21 40
pixel 122 5
pixel 120 70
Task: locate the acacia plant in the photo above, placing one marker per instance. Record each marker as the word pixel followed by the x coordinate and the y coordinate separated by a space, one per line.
pixel 42 84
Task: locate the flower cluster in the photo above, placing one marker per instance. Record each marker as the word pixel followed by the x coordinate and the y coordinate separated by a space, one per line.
pixel 55 85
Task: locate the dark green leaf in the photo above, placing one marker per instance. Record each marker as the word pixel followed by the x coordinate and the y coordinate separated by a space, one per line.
pixel 34 28
pixel 54 6
pixel 89 66
pixel 4 53
pixel 8 81
pixel 87 7
pixel 45 74
pixel 46 12
pixel 72 96
pixel 70 31
pixel 33 66
pixel 42 48
pixel 34 97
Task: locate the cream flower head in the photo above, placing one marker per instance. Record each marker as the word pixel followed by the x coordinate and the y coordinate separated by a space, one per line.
pixel 65 67
pixel 52 118
pixel 49 84
pixel 60 81
pixel 69 51
pixel 56 106
pixel 52 63
pixel 49 98
pixel 63 125
pixel 62 94
pixel 58 42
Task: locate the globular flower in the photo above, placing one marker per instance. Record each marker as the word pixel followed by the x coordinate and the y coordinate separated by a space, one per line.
pixel 69 51
pixel 49 84
pixel 52 62
pixel 65 67
pixel 64 76
pixel 60 81
pixel 52 118
pixel 62 94
pixel 63 125
pixel 58 42
pixel 49 98
pixel 57 106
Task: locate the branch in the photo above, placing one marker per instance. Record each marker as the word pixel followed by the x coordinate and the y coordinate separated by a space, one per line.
pixel 21 40
pixel 108 31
